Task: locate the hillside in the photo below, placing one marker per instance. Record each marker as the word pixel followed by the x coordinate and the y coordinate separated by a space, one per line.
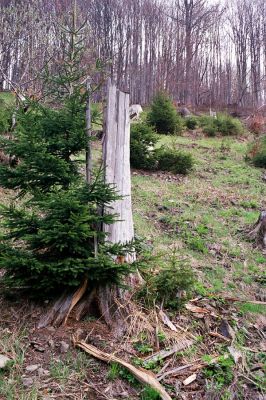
pixel 204 217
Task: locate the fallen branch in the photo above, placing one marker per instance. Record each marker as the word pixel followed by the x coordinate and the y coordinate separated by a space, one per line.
pixel 244 300
pixel 174 371
pixel 218 335
pixel 141 375
pixel 196 309
pixel 194 366
pixel 167 353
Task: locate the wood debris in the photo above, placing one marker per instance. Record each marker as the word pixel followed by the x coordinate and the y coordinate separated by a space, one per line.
pixel 236 354
pixel 174 371
pixel 218 335
pixel 190 379
pixel 167 321
pixel 76 298
pixel 196 309
pixel 143 376
pixel 160 355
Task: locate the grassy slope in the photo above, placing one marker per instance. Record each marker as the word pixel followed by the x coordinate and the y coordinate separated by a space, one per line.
pixel 206 212
pixel 204 217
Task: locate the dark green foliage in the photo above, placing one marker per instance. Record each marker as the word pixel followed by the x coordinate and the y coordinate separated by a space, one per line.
pixel 163 115
pixel 45 141
pixel 52 246
pixel 171 281
pixel 260 160
pixel 5 117
pixel 257 153
pixel 228 125
pixel 174 161
pixel 171 285
pixel 191 122
pixel 142 141
pixel 53 238
pixel 144 156
pixel 223 124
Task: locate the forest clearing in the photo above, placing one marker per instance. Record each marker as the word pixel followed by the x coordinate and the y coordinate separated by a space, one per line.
pixel 202 218
pixel 132 200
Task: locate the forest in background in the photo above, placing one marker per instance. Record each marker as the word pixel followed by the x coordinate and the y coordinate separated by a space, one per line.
pixel 202 53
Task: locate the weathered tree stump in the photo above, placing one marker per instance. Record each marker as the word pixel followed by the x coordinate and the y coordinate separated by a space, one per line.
pixel 116 157
pixel 114 303
pixel 258 233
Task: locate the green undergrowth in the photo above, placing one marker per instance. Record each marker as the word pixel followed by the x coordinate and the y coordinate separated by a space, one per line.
pixel 206 214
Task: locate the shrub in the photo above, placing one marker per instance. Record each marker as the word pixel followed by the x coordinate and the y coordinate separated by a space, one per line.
pixel 257 153
pixel 205 120
pixel 163 115
pixel 228 125
pixel 174 161
pixel 172 285
pixel 191 122
pixel 210 130
pixel 143 156
pixel 142 140
pixel 223 124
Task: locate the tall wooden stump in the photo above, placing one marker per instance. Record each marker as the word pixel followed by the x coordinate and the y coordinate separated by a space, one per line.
pixel 114 302
pixel 116 153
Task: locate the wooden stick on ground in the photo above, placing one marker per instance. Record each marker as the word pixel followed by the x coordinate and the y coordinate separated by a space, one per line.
pixel 160 355
pixel 236 299
pixel 141 375
pixel 174 371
